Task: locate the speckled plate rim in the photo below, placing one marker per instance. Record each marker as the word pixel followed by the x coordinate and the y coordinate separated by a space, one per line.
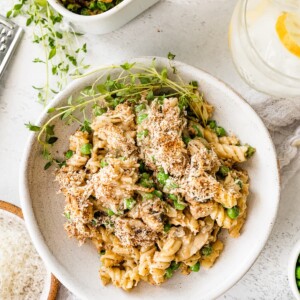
pixel 33 228
pixel 15 210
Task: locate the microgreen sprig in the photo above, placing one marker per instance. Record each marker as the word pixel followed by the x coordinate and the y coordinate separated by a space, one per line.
pixel 63 55
pixel 133 80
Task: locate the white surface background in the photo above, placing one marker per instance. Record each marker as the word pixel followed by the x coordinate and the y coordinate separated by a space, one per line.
pixel 196 31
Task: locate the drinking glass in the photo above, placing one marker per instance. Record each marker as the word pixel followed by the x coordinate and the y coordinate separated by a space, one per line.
pixel 264 39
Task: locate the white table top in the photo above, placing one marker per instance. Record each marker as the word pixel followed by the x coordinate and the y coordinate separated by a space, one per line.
pixel 196 31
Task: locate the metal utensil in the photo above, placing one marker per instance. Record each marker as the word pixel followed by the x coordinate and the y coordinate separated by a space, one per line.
pixel 10 35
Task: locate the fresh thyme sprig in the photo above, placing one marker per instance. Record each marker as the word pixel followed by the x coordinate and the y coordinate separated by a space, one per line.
pixel 133 80
pixel 63 55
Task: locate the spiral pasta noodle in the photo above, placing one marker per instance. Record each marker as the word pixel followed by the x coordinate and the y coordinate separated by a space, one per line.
pixel 152 187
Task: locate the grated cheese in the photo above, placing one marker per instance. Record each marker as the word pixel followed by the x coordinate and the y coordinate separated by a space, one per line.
pixel 22 273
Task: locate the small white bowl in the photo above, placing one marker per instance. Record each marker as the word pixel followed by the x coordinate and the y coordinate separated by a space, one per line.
pixel 77 267
pixel 291 269
pixel 107 21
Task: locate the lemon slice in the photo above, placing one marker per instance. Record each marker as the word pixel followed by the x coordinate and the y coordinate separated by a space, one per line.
pixel 288 31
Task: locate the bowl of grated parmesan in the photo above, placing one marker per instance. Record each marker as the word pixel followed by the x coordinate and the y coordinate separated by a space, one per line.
pixel 22 272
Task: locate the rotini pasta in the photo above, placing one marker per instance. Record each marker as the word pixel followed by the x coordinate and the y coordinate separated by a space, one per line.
pixel 208 260
pixel 236 153
pixel 151 186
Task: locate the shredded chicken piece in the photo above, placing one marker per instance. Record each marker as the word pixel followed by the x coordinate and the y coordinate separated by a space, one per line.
pixel 151 212
pixel 138 192
pixel 204 159
pixel 201 210
pixel 118 130
pixel 114 182
pixel 133 232
pixel 73 183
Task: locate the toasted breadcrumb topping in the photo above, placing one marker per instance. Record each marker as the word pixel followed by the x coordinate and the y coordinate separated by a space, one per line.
pixel 164 144
pixel 148 178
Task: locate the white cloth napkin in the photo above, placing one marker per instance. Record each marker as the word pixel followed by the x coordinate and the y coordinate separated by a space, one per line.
pixel 282 117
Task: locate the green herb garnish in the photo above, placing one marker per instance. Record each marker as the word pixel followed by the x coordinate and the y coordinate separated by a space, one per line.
pixel 69 154
pixel 57 45
pixel 110 92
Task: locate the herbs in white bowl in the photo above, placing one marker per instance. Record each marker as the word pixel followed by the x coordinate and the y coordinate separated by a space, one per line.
pixel 89 7
pixel 63 54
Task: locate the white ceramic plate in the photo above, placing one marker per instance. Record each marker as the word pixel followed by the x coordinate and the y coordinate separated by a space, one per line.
pixel 77 267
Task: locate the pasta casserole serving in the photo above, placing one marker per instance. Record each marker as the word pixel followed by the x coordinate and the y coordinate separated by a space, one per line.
pixel 152 185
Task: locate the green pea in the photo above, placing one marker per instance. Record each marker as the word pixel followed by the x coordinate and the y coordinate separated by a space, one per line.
pixel 206 250
pixel 103 163
pixel 67 215
pixel 141 118
pixel 212 124
pixel 169 273
pixel 186 139
pixel 102 252
pixel 233 212
pixel 86 149
pixel 110 212
pixel 198 131
pixel 162 177
pixel 140 107
pixel 158 194
pixel 69 154
pixel 220 131
pixel 298 272
pixel 298 284
pixel 167 227
pixel 129 203
pixel 250 151
pixel 173 197
pixel 178 205
pixel 142 134
pixel 174 265
pixel 223 171
pixel 195 267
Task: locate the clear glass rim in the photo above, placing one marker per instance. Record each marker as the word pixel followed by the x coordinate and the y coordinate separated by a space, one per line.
pixel 245 4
